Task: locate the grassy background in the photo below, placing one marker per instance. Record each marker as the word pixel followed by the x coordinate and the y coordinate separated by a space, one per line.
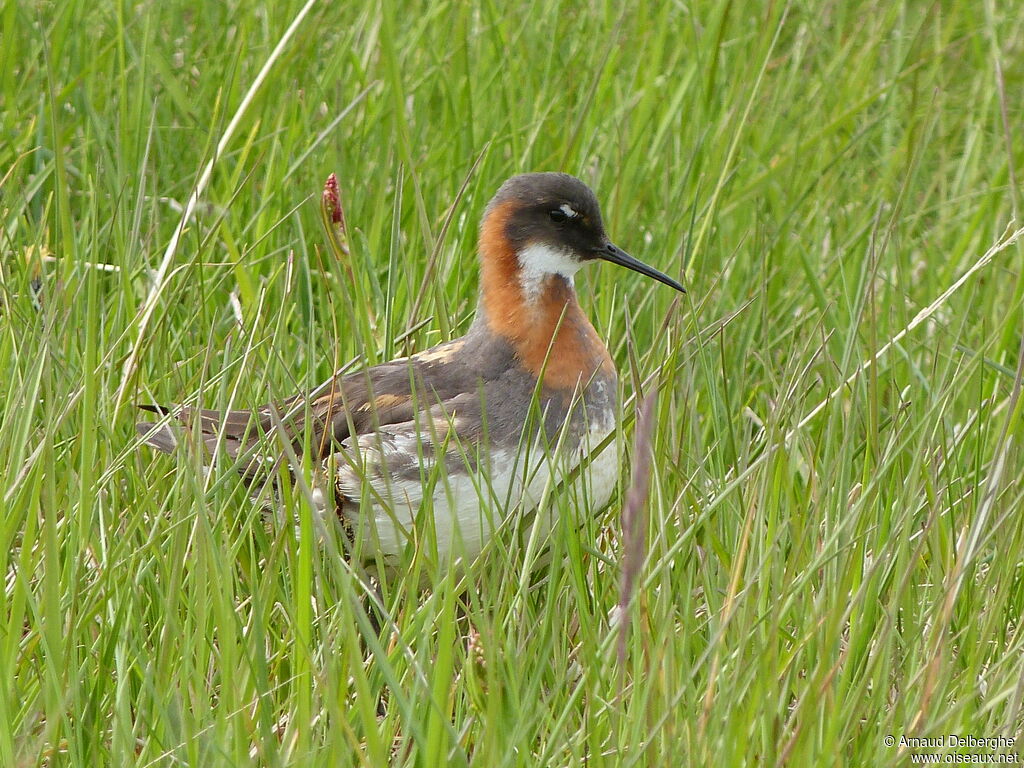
pixel 819 171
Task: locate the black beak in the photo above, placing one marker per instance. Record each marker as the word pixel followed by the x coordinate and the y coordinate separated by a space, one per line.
pixel 614 254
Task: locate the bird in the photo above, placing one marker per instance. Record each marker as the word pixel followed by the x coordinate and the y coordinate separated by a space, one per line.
pixel 436 448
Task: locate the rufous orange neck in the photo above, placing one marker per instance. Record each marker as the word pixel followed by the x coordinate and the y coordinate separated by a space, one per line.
pixel 548 329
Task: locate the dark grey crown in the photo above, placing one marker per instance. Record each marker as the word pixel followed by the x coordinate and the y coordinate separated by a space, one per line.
pixel 552 208
pixel 537 189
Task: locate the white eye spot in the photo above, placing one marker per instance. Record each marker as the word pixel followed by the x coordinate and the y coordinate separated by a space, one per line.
pixel 569 211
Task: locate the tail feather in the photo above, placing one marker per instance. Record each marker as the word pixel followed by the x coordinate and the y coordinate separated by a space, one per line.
pixel 163 439
pixel 240 434
pixel 235 433
pixel 152 408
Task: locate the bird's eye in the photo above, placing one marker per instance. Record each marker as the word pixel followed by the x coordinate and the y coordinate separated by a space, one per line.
pixel 558 215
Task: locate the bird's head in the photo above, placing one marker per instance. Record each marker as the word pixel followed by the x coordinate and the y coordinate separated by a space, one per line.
pixel 549 224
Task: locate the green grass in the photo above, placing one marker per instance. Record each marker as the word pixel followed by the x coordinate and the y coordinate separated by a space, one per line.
pixel 819 171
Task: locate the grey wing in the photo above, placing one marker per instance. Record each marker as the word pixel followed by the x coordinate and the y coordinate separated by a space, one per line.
pixel 390 393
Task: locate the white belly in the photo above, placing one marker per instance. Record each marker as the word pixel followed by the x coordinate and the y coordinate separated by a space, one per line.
pixel 463 508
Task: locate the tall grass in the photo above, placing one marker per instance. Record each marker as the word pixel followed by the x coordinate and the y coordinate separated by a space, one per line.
pixel 835 542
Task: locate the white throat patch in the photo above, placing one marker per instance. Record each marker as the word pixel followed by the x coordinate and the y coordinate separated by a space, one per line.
pixel 536 262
